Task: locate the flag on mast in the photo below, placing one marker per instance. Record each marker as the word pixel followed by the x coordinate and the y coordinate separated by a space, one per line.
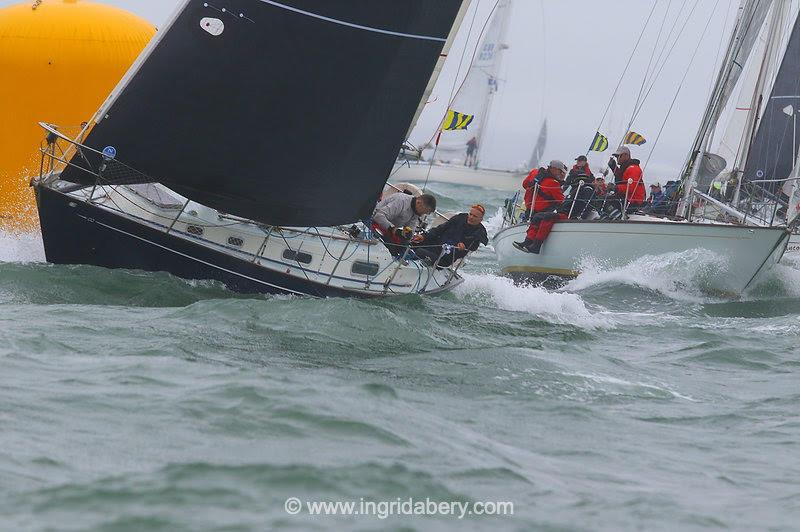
pixel 600 143
pixel 455 121
pixel 634 138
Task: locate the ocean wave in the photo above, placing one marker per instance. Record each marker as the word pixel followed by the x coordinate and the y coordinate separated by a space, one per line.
pixel 21 247
pixel 502 293
pixel 681 276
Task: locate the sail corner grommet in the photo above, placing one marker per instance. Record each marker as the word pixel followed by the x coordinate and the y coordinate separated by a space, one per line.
pixel 211 25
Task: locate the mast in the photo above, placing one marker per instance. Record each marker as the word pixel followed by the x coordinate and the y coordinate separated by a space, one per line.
pixel 749 22
pixel 773 36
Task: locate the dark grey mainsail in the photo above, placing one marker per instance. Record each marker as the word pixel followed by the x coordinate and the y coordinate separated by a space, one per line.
pixel 774 148
pixel 290 112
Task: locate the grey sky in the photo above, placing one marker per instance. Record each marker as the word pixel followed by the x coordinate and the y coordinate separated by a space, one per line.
pixel 565 59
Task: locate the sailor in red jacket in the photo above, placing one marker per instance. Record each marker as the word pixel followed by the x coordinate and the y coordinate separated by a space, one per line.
pixel 628 181
pixel 549 187
pixel 545 199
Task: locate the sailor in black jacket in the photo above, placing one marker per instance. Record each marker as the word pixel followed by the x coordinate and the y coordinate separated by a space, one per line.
pixel 464 232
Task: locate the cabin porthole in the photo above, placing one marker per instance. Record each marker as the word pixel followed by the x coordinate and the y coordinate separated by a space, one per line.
pixel 369 269
pixel 195 230
pixel 297 256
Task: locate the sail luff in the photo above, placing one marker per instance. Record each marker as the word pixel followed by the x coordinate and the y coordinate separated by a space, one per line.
pixel 140 60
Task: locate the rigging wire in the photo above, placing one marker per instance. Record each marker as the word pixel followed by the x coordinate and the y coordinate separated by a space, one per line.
pixel 652 56
pixel 664 63
pixel 627 65
pixel 683 80
pixel 718 60
pixel 651 73
pixel 544 55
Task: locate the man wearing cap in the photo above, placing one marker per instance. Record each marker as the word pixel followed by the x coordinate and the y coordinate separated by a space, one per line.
pixel 464 232
pixel 628 182
pixel 657 202
pixel 548 198
pixel 548 193
pixel 580 168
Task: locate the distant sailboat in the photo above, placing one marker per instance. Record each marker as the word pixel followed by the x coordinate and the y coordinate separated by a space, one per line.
pixel 445 156
pixel 253 177
pixel 538 150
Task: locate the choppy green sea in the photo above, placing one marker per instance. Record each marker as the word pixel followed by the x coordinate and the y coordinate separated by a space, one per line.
pixel 624 401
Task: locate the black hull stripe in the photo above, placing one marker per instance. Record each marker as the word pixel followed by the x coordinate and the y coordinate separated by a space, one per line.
pixel 353 25
pixel 196 259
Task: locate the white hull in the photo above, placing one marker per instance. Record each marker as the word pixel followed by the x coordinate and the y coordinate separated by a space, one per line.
pixel 458 175
pixel 747 251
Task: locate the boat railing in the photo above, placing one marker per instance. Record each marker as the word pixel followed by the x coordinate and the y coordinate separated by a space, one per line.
pixel 756 206
pixel 59 151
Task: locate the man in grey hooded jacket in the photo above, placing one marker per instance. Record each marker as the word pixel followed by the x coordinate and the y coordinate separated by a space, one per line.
pixel 398 216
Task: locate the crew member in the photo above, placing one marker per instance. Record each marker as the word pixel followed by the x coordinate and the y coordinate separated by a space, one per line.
pixel 544 206
pixel 472 152
pixel 657 202
pixel 627 169
pixel 549 182
pixel 581 168
pixel 464 232
pixel 397 217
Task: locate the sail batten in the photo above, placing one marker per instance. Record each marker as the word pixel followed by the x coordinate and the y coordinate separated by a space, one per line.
pixel 266 113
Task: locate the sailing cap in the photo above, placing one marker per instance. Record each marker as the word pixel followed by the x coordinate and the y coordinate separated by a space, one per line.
pixel 656 185
pixel 580 158
pixel 555 163
pixel 623 149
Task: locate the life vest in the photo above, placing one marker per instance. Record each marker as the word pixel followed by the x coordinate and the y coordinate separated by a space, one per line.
pixel 630 170
pixel 548 195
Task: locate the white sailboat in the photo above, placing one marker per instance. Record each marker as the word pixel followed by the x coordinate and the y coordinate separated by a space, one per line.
pixel 745 251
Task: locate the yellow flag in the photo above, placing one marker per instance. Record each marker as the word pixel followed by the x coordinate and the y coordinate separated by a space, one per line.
pixel 456 121
pixel 600 143
pixel 634 138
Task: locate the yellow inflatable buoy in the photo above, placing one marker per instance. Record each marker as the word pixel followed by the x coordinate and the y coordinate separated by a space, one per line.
pixel 59 60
